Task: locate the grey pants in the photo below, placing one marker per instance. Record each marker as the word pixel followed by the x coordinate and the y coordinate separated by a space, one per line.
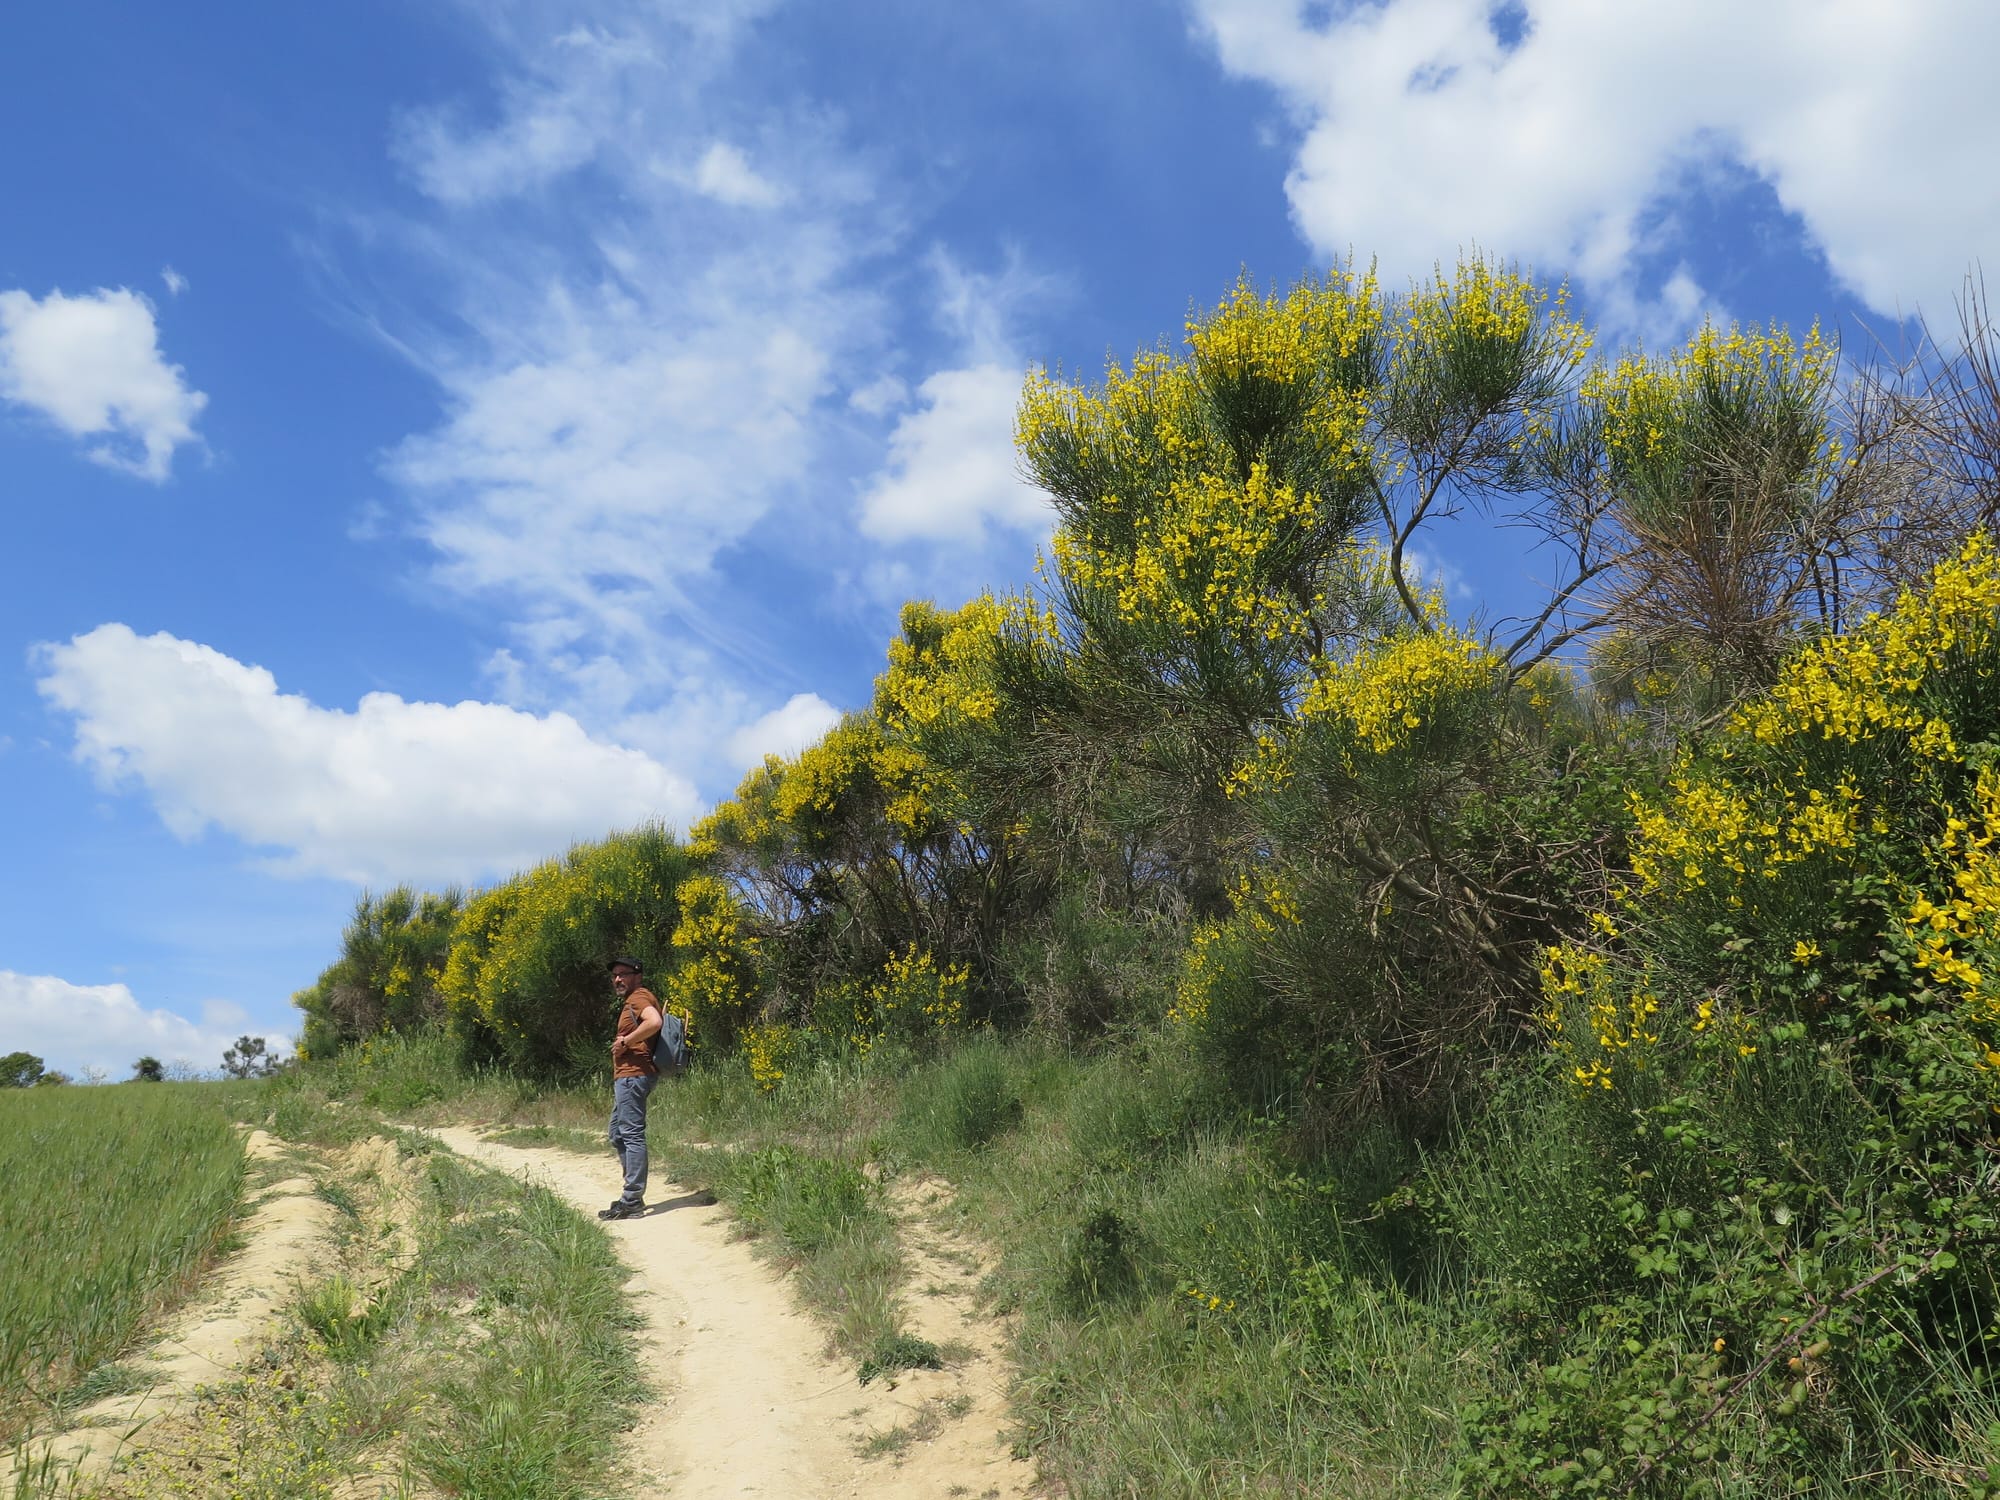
pixel 628 1131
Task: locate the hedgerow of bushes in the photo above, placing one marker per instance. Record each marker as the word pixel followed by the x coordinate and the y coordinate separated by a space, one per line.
pixel 1607 991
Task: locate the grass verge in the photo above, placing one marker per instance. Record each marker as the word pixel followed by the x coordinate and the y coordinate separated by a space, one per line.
pixel 1198 1312
pixel 112 1200
pixel 469 1338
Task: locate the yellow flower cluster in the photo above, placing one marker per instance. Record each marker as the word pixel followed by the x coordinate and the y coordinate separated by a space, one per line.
pixel 823 778
pixel 1264 902
pixel 1201 558
pixel 1845 751
pixel 1594 1017
pixel 1286 339
pixel 914 999
pixel 1379 701
pixel 814 798
pixel 1154 408
pixel 768 1049
pixel 914 994
pixel 1151 403
pixel 717 973
pixel 1649 407
pixel 1168 520
pixel 745 821
pixel 1957 940
pixel 1389 692
pixel 1204 966
pixel 1846 689
pixel 1710 829
pixel 940 664
pixel 1208 1301
pixel 1479 303
pixel 1855 686
pixel 478 928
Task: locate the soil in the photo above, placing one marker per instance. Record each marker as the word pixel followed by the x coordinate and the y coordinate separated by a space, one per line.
pixel 750 1405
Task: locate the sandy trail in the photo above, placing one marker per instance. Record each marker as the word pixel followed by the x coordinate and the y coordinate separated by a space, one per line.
pixel 752 1408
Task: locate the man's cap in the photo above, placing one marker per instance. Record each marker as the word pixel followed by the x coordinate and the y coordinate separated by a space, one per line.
pixel 626 961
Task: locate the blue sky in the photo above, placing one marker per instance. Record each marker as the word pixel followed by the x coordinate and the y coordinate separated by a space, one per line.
pixel 432 433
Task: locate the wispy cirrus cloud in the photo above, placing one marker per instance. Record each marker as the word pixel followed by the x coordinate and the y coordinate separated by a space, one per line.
pixel 689 351
pixel 657 316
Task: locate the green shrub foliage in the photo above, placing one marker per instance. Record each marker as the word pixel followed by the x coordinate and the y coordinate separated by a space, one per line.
pixel 392 954
pixel 1613 1053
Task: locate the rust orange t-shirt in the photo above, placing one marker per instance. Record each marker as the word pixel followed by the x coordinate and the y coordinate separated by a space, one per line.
pixel 634 1061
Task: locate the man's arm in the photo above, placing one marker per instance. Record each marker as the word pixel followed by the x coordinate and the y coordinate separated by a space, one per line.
pixel 646 1030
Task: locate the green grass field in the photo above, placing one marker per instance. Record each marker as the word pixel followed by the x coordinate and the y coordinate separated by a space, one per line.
pixel 111 1200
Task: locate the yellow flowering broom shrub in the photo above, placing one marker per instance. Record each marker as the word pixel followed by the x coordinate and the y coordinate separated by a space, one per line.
pixel 1408 809
pixel 716 977
pixel 525 979
pixel 1201 499
pixel 915 1003
pixel 867 844
pixel 392 956
pixel 1782 1038
pixel 1862 773
pixel 769 1050
pixel 1725 489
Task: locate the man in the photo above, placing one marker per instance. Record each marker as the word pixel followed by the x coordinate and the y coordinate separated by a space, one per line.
pixel 633 1076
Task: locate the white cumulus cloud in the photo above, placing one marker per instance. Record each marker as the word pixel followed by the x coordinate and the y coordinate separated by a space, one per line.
pixel 389 791
pixel 91 364
pixel 74 1028
pixel 951 466
pixel 786 730
pixel 1423 132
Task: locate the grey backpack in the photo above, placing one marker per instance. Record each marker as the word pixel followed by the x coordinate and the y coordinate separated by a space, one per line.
pixel 670 1044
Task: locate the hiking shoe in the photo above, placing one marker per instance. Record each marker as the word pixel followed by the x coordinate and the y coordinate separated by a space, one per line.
pixel 622 1210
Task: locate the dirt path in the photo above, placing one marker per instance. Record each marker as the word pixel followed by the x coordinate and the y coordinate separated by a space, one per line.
pixel 752 1408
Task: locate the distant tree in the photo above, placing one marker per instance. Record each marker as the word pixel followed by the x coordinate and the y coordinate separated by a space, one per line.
pixel 249 1058
pixel 149 1070
pixel 51 1078
pixel 20 1070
